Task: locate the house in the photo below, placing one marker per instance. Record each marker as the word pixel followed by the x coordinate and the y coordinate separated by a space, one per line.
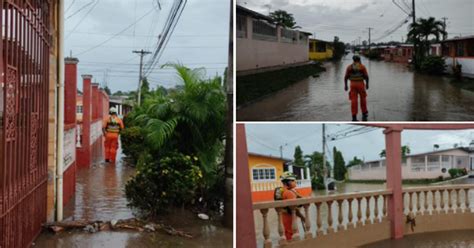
pixel 320 50
pixel 459 51
pixel 122 105
pixel 265 172
pixel 264 45
pixel 428 165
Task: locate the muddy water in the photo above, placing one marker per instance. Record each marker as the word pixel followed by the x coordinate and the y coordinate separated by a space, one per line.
pixel 341 188
pixel 395 94
pixel 457 238
pixel 100 196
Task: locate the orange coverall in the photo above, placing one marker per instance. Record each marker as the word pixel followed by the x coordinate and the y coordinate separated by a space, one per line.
pixel 112 126
pixel 287 218
pixel 356 73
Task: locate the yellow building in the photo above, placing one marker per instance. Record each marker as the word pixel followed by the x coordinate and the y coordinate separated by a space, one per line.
pixel 265 172
pixel 320 50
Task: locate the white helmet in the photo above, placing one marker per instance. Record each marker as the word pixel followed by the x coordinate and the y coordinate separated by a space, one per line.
pixel 113 110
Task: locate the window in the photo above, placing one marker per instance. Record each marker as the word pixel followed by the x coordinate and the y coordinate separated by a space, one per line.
pixel 418 163
pixel 264 31
pixel 312 48
pixel 321 47
pixel 79 109
pixel 460 49
pixel 433 163
pixel 241 26
pixel 263 174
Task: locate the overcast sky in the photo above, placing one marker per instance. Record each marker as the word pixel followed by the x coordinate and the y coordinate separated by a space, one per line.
pixel 199 40
pixel 267 138
pixel 350 19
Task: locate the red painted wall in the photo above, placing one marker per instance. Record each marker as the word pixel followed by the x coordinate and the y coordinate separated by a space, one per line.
pixel 83 154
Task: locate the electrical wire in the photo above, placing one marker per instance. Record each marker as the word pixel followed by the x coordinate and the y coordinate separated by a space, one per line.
pixel 80 9
pixel 112 37
pixel 82 19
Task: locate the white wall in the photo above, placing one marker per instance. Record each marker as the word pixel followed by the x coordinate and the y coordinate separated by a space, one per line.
pixel 467 65
pixel 255 54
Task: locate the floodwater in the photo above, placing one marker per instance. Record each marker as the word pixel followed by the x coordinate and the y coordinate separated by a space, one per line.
pixel 395 94
pixel 344 188
pixel 100 196
pixel 456 238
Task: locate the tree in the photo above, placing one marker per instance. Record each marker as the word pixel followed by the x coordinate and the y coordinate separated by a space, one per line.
pixel 298 157
pixel 420 32
pixel 355 161
pixel 405 151
pixel 315 163
pixel 339 165
pixel 435 147
pixel 339 49
pixel 107 90
pixel 284 18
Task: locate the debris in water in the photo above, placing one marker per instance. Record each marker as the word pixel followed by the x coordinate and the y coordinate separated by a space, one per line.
pixel 203 216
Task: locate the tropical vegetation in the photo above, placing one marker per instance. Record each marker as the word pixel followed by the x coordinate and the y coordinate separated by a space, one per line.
pixel 284 18
pixel 176 139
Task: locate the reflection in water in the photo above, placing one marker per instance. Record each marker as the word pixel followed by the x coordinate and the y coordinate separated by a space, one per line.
pixel 395 94
pixel 100 196
pixel 457 238
pixel 342 188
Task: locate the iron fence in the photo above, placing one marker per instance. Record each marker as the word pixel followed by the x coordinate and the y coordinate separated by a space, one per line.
pixel 24 53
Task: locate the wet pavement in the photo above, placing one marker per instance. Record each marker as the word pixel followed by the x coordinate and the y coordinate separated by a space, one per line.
pixel 100 196
pixel 395 94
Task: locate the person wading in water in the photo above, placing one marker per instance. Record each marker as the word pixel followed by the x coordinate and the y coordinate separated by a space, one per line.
pixel 357 73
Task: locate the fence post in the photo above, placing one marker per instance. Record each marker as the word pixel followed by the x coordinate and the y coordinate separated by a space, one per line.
pixel 84 159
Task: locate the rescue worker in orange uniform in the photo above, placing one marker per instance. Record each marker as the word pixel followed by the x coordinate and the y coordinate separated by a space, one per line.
pixel 357 73
pixel 111 129
pixel 289 182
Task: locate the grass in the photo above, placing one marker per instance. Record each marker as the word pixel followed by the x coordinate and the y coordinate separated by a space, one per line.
pixel 255 86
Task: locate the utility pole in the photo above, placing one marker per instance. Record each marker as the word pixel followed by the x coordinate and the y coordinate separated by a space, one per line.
pixel 140 77
pixel 369 35
pixel 324 154
pixel 413 14
pixel 445 35
pixel 281 151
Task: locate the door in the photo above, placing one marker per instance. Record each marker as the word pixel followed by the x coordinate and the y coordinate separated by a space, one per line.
pixel 24 54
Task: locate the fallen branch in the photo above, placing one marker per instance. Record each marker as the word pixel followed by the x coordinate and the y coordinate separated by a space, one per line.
pixel 114 225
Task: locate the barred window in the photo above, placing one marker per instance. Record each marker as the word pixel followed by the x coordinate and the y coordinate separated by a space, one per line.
pixel 264 31
pixel 321 47
pixel 303 39
pixel 418 163
pixel 241 26
pixel 79 109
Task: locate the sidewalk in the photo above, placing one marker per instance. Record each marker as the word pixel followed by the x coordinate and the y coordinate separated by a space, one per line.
pixel 100 196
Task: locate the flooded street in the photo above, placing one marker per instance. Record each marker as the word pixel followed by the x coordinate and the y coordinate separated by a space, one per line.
pixel 395 94
pixel 100 196
pixel 341 188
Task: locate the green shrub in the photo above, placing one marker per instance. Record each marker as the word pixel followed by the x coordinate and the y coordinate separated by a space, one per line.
pixel 172 181
pixel 132 142
pixel 433 65
pixel 317 183
pixel 455 172
pixel 374 54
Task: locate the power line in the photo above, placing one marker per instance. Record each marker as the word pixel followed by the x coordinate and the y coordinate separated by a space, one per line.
pixel 122 31
pixel 82 19
pixel 80 9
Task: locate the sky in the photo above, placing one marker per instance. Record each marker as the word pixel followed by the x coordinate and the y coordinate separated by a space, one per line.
pixel 267 138
pixel 349 19
pixel 200 39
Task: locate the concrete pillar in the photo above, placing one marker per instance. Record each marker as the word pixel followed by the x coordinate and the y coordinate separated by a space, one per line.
pixel 95 101
pixel 245 226
pixel 70 90
pixel 290 168
pixel 394 180
pixel 249 27
pixel 426 162
pixel 308 175
pixel 302 173
pixel 84 154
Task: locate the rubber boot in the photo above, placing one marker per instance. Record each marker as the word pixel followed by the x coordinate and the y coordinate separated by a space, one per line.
pixel 365 116
pixel 354 118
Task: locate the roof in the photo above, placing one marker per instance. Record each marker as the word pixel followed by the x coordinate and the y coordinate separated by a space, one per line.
pixel 254 14
pixel 269 156
pixel 469 37
pixel 312 39
pixel 466 149
pixel 260 16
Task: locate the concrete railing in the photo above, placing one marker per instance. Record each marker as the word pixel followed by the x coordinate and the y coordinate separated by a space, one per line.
pixel 437 199
pixel 362 216
pixel 325 224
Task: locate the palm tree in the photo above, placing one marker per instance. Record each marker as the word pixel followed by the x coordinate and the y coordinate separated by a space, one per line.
pixel 420 33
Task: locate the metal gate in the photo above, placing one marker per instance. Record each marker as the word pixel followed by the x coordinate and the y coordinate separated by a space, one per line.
pixel 24 71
